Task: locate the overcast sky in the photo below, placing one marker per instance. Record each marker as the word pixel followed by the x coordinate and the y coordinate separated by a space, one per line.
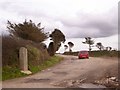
pixel 75 18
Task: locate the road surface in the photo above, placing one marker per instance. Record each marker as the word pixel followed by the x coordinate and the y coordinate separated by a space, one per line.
pixel 67 73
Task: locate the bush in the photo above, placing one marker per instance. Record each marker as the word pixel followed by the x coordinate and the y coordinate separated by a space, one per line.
pixel 10 49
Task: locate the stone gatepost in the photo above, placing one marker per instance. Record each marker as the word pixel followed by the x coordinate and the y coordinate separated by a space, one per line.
pixel 23 57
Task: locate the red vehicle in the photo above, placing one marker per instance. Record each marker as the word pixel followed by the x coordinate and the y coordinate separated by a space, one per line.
pixel 83 54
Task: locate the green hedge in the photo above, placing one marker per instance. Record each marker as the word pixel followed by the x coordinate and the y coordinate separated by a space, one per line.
pixel 97 53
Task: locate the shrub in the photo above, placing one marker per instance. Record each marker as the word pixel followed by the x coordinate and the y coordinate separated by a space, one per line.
pixel 27 30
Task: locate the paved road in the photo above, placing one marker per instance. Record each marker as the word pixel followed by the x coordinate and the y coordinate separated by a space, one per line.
pixel 71 68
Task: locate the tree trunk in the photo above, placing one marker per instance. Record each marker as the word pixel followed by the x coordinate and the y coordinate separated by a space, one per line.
pixel 89 47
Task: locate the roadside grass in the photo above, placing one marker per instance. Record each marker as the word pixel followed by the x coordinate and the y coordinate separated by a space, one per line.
pixel 9 72
pixel 50 62
pixel 14 72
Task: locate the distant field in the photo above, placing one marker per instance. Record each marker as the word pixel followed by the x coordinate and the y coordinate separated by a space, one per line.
pixel 98 53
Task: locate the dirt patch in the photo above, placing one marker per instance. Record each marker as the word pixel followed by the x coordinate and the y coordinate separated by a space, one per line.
pixel 111 82
pixel 32 80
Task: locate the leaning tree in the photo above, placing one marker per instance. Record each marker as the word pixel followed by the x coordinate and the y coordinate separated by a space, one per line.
pixel 89 41
pixel 57 37
pixel 70 46
pixel 100 46
pixel 66 47
pixel 108 48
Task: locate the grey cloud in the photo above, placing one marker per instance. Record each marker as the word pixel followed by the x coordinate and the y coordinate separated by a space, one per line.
pixel 105 28
pixel 100 25
pixel 80 25
pixel 5 5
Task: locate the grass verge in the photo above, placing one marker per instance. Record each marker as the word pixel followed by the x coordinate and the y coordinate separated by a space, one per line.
pixel 13 72
pixel 50 62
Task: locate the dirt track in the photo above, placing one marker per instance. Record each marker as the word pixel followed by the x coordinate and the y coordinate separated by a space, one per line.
pixel 70 69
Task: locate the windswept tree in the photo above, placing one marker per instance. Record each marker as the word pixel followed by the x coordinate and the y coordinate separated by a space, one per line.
pixel 27 30
pixel 66 47
pixel 89 41
pixel 100 46
pixel 57 36
pixel 108 48
pixel 70 46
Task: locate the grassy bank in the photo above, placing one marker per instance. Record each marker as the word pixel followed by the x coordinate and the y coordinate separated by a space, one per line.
pixel 50 62
pixel 13 72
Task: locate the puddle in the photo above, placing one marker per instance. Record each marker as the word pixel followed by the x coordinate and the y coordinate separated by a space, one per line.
pixel 60 73
pixel 37 80
pixel 90 85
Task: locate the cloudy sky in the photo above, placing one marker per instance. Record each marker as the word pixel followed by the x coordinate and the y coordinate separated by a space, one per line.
pixel 75 18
